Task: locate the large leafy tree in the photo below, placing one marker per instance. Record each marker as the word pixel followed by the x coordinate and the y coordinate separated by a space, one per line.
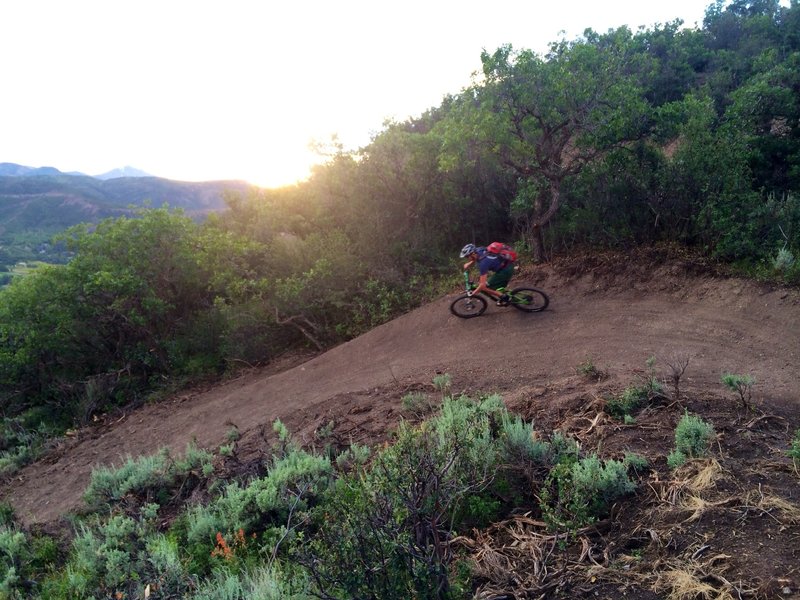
pixel 125 309
pixel 546 118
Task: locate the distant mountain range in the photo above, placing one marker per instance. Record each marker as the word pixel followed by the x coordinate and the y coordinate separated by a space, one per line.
pixel 35 203
pixel 15 170
pixel 23 188
pixel 126 171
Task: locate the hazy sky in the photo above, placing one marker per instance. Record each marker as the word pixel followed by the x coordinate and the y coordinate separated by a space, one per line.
pixel 234 89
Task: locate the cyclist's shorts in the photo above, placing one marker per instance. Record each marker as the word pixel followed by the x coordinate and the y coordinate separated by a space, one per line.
pixel 501 278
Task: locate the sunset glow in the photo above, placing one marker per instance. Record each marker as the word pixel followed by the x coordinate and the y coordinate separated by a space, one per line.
pixel 202 90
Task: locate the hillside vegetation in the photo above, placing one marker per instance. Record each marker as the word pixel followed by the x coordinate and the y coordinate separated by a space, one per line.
pixel 615 140
pixel 36 204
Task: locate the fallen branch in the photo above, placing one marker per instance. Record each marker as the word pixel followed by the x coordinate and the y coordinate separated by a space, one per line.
pixel 293 321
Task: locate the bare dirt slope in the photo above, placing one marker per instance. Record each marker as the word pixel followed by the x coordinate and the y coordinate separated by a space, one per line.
pixel 618 311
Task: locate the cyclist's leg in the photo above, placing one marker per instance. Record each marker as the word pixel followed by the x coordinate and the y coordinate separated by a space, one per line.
pixel 499 282
pixel 501 278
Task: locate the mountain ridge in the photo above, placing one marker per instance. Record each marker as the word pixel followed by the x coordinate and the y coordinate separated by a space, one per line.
pixel 36 203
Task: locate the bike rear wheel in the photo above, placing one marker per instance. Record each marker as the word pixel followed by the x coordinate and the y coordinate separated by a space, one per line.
pixel 528 299
pixel 468 307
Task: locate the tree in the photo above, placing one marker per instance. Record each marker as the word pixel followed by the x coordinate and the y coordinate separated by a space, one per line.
pixel 545 119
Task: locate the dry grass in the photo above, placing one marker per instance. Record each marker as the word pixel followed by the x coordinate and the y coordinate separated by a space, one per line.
pixel 698 506
pixel 769 503
pixel 515 553
pixel 686 584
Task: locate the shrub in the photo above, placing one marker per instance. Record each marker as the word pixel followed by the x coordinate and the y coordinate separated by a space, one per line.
pixel 168 568
pixel 786 265
pixel 292 484
pixel 7 516
pixel 635 462
pixel 417 404
pixel 14 556
pixel 632 397
pixel 563 449
pixel 742 385
pixel 693 436
pixel 589 370
pixel 784 261
pixel 143 474
pixel 21 441
pixel 577 491
pixel 442 383
pixel 794 451
pixel 677 367
pixel 355 456
pixel 147 476
pixel 519 442
pixel 233 434
pixel 265 583
pixel 383 533
pixel 118 558
pixel 627 402
pixel 676 459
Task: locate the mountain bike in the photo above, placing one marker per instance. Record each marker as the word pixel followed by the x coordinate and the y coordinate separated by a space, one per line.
pixel 526 299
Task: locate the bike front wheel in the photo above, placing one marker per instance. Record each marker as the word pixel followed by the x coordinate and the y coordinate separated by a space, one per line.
pixel 468 307
pixel 529 299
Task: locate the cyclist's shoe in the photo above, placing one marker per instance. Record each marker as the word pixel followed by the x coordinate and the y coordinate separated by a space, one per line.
pixel 504 300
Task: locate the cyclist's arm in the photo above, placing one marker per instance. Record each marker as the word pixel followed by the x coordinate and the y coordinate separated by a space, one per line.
pixel 467 265
pixel 482 287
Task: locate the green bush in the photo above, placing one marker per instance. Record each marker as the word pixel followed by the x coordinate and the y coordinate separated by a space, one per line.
pixel 383 533
pixel 786 266
pixel 627 402
pixel 563 449
pixel 634 396
pixel 794 451
pixel 578 491
pixel 603 482
pixel 147 476
pixel 676 459
pixel 120 556
pixel 418 404
pixel 292 484
pixel 693 436
pixel 519 443
pixel 7 516
pixel 14 557
pixel 23 438
pixel 263 583
pixel 143 474
pixel 742 385
pixel 635 461
pixel 442 383
pixel 589 370
pixel 354 457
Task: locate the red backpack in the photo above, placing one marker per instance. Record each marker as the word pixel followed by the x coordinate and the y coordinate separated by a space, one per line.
pixel 502 250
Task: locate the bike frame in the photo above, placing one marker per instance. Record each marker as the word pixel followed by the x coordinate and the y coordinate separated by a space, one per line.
pixel 469 286
pixel 526 299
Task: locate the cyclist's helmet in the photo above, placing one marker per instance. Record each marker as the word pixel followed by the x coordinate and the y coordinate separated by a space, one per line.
pixel 467 250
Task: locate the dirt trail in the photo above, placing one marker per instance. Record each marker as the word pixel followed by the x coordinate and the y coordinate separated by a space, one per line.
pixel 616 317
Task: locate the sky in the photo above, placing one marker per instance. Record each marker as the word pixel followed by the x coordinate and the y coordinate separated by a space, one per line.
pixel 200 90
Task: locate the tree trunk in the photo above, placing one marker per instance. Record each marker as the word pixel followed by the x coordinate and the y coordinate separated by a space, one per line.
pixel 542 217
pixel 536 242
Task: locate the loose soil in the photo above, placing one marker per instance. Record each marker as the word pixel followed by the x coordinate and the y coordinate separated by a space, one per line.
pixel 730 523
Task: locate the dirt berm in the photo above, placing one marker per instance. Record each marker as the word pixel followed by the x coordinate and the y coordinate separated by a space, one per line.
pixel 615 310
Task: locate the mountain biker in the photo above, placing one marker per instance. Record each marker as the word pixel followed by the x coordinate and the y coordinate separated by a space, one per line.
pixel 501 268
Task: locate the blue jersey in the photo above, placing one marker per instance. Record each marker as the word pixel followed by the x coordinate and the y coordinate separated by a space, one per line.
pixel 490 262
